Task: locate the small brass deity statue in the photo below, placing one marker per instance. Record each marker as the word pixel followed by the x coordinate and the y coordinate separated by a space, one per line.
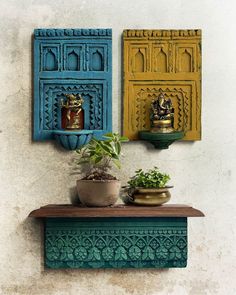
pixel 73 106
pixel 162 115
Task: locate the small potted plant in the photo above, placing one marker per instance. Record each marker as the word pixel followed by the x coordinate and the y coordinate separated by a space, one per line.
pixel 148 188
pixel 98 188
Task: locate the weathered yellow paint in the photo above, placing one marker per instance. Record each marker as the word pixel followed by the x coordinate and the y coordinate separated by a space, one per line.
pixel 167 61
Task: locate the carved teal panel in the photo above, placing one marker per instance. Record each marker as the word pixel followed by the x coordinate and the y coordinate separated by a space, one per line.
pixel 72 61
pixel 115 242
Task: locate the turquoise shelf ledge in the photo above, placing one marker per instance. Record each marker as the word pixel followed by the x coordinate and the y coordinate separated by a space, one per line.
pixel 115 237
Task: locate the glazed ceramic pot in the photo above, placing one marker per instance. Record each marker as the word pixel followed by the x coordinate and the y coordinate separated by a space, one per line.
pixel 97 193
pixel 149 196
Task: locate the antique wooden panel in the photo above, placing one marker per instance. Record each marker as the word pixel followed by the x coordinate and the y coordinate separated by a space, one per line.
pixel 167 61
pixel 72 62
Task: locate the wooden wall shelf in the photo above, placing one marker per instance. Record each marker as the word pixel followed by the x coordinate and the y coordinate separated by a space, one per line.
pixel 116 211
pixel 121 236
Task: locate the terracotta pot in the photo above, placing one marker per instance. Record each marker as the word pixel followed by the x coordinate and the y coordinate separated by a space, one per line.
pixel 97 193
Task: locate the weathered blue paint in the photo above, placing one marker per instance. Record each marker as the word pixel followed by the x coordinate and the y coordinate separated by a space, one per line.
pixel 115 242
pixel 72 61
pixel 72 140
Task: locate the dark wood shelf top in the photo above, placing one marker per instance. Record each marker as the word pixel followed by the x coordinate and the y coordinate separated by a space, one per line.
pixel 116 211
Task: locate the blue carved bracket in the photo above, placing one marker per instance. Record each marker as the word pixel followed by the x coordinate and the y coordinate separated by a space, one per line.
pixel 72 61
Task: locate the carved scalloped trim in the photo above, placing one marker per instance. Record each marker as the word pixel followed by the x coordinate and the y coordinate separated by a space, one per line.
pixel 161 33
pixel 72 33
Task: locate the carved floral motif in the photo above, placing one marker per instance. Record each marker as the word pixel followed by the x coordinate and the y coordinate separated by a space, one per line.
pixel 124 247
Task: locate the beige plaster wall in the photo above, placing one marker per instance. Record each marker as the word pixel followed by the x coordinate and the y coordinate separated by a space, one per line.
pixel 203 173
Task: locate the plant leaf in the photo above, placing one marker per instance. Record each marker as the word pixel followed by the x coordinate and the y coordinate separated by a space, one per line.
pixel 117 163
pixel 124 139
pixel 108 135
pixel 118 147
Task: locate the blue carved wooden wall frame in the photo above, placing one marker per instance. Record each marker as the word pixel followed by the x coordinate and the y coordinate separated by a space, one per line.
pixel 72 61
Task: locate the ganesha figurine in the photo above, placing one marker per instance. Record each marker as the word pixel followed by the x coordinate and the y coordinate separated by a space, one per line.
pixel 162 115
pixel 73 111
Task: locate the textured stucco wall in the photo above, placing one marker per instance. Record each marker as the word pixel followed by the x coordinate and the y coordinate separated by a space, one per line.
pixel 203 173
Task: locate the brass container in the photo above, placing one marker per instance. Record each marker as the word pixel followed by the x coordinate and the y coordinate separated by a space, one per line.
pixel 162 126
pixel 150 196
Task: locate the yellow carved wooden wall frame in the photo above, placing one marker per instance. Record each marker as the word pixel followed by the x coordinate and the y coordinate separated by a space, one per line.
pixel 167 61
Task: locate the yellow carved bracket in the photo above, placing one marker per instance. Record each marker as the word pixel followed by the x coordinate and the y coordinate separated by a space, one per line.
pixel 167 61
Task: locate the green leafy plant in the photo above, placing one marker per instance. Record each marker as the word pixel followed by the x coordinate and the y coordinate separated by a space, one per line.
pixel 99 155
pixel 153 178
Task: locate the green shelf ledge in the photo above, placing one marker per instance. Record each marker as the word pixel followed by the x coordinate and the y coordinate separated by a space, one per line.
pixel 161 140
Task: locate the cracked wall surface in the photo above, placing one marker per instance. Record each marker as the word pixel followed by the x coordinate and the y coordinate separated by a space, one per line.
pixel 203 173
